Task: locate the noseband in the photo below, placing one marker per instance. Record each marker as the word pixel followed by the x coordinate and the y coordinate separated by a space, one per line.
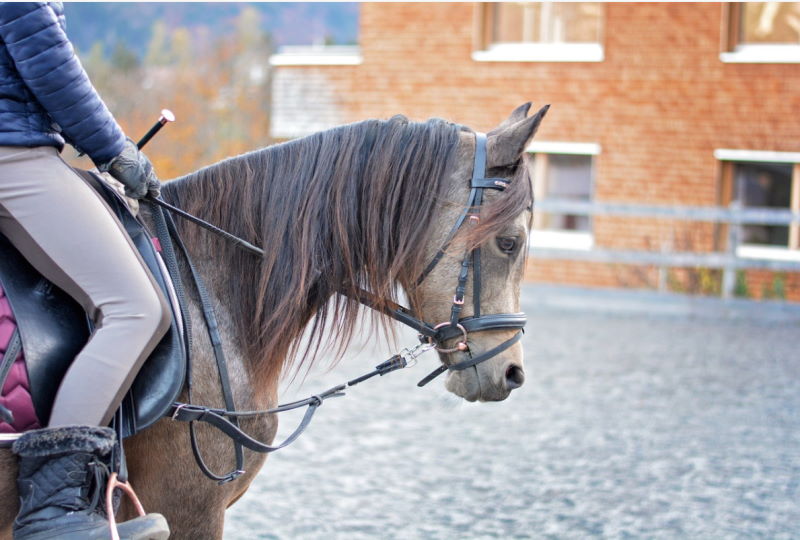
pixel 435 335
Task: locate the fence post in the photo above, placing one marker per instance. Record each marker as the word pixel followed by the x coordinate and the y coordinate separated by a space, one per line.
pixel 663 271
pixel 729 272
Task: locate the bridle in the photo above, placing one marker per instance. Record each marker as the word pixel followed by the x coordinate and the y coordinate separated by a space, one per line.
pixel 432 336
pixel 435 335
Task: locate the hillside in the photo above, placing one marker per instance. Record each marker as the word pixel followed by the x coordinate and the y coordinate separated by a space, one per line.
pixel 131 23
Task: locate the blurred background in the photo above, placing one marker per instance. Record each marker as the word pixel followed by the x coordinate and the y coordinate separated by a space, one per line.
pixel 664 266
pixel 670 159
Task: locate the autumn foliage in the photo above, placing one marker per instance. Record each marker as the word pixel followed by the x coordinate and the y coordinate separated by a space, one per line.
pixel 218 90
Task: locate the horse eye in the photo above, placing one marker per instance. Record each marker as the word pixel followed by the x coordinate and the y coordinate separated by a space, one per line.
pixel 507 244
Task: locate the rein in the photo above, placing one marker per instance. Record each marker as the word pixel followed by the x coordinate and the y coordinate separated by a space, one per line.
pixel 226 420
pixel 431 336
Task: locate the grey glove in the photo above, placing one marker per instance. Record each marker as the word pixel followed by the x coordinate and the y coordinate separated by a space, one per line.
pixel 134 170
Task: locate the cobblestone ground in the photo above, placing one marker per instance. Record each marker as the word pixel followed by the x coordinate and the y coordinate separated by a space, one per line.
pixel 629 426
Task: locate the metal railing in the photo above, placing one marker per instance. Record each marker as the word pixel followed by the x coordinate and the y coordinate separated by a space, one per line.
pixel 728 261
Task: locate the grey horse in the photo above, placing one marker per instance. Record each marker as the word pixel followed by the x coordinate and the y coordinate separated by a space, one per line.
pixel 366 205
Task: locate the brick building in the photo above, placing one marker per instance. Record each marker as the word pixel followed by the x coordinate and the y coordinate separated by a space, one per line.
pixel 652 104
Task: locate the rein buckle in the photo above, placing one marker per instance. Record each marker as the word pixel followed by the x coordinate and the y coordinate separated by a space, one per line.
pixel 178 409
pixel 231 477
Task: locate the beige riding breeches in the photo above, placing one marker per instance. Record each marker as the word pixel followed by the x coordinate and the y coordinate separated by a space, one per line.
pixel 67 232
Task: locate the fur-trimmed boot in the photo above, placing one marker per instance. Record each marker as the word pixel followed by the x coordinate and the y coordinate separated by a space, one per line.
pixel 62 481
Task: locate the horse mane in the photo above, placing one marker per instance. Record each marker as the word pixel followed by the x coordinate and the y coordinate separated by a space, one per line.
pixel 339 210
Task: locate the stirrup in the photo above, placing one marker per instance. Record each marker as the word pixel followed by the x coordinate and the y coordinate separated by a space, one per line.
pixel 113 483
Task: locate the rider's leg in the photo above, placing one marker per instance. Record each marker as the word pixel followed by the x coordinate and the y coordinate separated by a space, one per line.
pixel 63 228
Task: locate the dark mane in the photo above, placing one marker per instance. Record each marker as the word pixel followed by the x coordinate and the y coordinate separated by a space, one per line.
pixel 345 208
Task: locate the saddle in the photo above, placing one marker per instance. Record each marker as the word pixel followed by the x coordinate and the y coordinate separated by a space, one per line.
pixel 53 328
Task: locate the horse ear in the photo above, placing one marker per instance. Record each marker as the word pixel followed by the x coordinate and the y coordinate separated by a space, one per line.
pixel 504 145
pixel 520 113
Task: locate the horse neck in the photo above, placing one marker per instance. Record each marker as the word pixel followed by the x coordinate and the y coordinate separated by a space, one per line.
pixel 212 270
pixel 232 277
pixel 331 217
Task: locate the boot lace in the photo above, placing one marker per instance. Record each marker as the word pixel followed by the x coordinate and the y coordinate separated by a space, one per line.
pixel 100 474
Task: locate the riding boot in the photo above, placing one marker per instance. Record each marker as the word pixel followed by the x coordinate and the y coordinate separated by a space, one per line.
pixel 62 482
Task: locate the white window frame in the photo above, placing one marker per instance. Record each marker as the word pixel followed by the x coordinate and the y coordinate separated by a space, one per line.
pixel 545 51
pixel 757 53
pixel 317 55
pixel 759 251
pixel 558 239
pixel 751 53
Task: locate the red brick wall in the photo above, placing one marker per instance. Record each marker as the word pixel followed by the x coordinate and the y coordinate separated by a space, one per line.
pixel 658 105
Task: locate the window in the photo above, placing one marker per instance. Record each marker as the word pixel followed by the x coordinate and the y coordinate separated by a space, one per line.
pixel 562 172
pixel 758 179
pixel 539 31
pixel 763 185
pixel 762 32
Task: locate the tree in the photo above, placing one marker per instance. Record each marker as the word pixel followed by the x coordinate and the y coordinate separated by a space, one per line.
pixel 218 90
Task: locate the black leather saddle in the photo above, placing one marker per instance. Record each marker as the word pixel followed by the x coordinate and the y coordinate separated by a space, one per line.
pixel 54 328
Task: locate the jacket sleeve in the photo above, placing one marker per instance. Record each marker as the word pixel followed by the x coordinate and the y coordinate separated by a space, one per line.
pixel 46 61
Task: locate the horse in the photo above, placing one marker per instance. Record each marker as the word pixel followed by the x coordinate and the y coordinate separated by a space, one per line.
pixel 364 206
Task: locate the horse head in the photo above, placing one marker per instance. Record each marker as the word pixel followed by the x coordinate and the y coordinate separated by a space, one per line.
pixel 358 210
pixel 485 255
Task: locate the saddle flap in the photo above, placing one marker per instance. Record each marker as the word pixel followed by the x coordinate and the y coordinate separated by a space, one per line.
pixel 54 328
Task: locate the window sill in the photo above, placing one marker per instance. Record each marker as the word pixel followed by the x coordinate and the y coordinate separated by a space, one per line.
pixel 726 154
pixel 762 54
pixel 334 55
pixel 557 147
pixel 571 240
pixel 774 253
pixel 540 52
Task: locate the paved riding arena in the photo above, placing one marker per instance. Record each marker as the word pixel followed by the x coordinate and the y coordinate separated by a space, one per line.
pixel 643 416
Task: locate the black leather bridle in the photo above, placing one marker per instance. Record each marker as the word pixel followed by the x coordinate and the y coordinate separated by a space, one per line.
pixel 437 334
pixel 431 336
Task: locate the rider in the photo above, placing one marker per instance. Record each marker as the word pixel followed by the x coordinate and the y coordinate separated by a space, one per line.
pixel 63 228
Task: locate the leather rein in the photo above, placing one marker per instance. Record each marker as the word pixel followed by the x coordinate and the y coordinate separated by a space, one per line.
pixel 432 336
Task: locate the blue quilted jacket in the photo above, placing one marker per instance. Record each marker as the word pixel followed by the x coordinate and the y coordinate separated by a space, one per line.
pixel 45 95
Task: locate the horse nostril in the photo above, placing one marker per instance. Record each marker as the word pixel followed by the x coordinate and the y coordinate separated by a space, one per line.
pixel 515 377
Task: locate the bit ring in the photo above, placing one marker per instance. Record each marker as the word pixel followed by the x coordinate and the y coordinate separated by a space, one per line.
pixel 460 346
